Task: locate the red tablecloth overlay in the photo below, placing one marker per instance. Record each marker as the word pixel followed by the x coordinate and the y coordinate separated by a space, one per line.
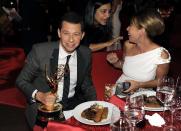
pixel 72 124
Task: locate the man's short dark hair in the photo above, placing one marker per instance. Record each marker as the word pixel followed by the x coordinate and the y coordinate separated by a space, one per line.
pixel 73 18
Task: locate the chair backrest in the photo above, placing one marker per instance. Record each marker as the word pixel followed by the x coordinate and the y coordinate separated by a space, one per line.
pixel 11 62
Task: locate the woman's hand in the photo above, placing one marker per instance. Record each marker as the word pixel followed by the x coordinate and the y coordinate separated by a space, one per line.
pixel 134 85
pixel 112 58
pixel 114 41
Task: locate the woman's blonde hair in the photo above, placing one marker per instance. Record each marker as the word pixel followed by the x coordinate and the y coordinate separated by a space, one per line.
pixel 151 21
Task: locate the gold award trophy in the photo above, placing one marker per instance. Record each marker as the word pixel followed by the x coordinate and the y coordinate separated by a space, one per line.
pixel 54 111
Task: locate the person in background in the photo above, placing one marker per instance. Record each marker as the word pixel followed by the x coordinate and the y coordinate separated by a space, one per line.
pixel 98 20
pixel 116 23
pixel 32 82
pixel 143 61
pixel 8 14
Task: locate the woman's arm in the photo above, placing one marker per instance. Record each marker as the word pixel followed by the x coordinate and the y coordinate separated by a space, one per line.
pixel 99 46
pixel 113 59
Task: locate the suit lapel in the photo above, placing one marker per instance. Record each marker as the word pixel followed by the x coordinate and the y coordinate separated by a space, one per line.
pixel 54 59
pixel 80 67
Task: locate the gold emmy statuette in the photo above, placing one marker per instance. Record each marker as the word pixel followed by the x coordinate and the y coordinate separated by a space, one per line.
pixel 54 111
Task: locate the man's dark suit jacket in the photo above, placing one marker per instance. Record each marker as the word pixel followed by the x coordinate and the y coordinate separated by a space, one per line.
pixel 32 76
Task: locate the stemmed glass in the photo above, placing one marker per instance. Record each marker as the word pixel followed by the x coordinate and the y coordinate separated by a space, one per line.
pixel 118 121
pixel 178 99
pixel 178 91
pixel 134 110
pixel 165 90
pixel 166 94
pixel 171 108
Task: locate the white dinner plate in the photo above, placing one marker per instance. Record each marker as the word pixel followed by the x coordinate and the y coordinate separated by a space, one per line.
pixel 80 108
pixel 148 93
pixel 154 109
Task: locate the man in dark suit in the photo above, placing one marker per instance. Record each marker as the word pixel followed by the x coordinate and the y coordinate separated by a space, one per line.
pixel 32 82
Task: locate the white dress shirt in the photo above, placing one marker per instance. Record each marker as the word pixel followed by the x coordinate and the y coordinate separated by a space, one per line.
pixel 73 72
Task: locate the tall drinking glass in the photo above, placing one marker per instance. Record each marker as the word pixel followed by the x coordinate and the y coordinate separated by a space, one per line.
pixel 166 94
pixel 109 91
pixel 134 110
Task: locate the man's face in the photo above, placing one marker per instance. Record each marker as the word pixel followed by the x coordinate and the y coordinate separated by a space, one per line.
pixel 70 35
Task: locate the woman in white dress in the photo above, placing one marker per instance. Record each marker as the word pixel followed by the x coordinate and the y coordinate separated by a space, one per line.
pixel 143 61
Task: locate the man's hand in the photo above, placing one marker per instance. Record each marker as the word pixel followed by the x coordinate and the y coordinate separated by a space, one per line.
pixel 47 98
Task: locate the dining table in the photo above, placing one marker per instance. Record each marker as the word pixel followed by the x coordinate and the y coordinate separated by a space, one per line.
pixel 72 123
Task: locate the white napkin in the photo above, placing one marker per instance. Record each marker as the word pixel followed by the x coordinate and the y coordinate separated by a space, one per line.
pixel 68 114
pixel 155 120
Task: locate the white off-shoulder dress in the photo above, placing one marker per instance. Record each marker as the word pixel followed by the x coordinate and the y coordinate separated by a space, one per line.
pixel 142 67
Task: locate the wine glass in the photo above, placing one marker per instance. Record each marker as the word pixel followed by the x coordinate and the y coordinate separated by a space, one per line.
pixel 134 110
pixel 118 121
pixel 169 114
pixel 165 90
pixel 178 91
pixel 166 94
pixel 178 99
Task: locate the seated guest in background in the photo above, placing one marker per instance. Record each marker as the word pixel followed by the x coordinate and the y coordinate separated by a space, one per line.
pixel 98 25
pixel 143 60
pixel 32 81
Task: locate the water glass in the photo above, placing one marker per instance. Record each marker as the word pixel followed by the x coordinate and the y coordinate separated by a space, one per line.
pixel 109 91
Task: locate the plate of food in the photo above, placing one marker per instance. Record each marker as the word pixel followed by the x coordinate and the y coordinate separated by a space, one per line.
pixel 95 112
pixel 151 102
